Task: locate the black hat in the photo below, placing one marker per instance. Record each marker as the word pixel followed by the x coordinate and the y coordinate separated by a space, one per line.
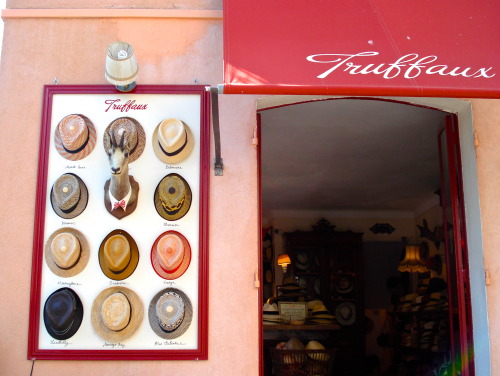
pixel 63 313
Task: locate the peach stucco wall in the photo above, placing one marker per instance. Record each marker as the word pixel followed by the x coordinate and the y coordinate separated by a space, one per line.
pixel 170 50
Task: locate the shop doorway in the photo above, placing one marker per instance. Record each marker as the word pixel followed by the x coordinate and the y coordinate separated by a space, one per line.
pixel 375 167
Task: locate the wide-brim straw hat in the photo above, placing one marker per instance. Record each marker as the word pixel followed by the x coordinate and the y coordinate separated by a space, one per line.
pixel 156 257
pixel 83 257
pixel 183 326
pixel 173 141
pixel 69 189
pixel 133 131
pixel 136 315
pixel 65 309
pixel 172 197
pixel 132 264
pixel 75 137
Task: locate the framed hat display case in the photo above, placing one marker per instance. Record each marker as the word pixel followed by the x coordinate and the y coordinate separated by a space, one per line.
pixel 120 246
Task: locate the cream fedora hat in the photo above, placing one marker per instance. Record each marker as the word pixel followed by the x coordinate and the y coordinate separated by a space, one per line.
pixel 172 141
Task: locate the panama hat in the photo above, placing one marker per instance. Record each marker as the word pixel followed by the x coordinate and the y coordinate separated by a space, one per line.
pixel 67 252
pixel 118 255
pixel 172 141
pixel 63 313
pixel 172 197
pixel 69 196
pixel 346 313
pixel 117 313
pixel 170 313
pixel 134 135
pixel 170 255
pixel 75 137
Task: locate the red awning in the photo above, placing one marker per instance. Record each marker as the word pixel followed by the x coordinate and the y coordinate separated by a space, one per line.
pixel 363 47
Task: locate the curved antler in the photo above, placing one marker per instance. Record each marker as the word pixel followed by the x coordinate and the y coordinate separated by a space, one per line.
pixel 122 139
pixel 112 138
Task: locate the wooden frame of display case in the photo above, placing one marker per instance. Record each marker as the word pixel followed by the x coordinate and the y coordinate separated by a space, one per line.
pixel 191 104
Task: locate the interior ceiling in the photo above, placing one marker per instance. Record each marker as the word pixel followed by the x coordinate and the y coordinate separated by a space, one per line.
pixel 349 154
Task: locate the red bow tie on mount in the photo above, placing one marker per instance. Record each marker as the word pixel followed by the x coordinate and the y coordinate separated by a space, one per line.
pixel 121 204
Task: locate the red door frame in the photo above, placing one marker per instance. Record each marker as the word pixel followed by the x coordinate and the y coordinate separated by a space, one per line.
pixel 462 357
pixel 465 354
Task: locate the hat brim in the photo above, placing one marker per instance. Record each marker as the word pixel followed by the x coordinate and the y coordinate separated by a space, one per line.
pixel 136 315
pixel 80 206
pixel 345 321
pixel 182 211
pixel 82 153
pixel 82 260
pixel 134 257
pixel 177 158
pixel 77 321
pixel 184 325
pixel 181 269
pixel 141 139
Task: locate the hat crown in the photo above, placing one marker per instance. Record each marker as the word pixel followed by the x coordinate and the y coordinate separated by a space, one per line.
pixel 117 253
pixel 170 310
pixel 60 309
pixel 67 191
pixel 345 312
pixel 74 132
pixel 171 135
pixel 172 192
pixel 116 312
pixel 65 250
pixel 170 251
pixel 123 125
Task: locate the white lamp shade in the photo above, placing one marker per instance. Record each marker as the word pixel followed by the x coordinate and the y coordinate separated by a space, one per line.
pixel 121 64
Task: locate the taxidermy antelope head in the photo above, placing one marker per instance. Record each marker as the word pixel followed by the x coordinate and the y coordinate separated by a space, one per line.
pixel 118 155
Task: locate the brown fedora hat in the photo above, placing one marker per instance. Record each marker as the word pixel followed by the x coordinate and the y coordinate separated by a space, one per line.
pixel 67 252
pixel 172 197
pixel 170 255
pixel 173 141
pixel 117 313
pixel 69 196
pixel 118 255
pixel 170 313
pixel 75 137
pixel 63 313
pixel 134 133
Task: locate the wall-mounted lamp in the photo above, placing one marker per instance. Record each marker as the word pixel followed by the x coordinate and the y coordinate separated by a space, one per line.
pixel 121 66
pixel 284 261
pixel 412 261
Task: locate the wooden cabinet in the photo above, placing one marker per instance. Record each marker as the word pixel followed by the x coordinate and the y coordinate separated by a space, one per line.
pixel 327 264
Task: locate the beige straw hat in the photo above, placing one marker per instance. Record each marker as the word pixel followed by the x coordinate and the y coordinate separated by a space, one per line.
pixel 118 255
pixel 75 137
pixel 170 255
pixel 117 313
pixel 134 135
pixel 172 197
pixel 172 141
pixel 170 313
pixel 67 252
pixel 69 196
